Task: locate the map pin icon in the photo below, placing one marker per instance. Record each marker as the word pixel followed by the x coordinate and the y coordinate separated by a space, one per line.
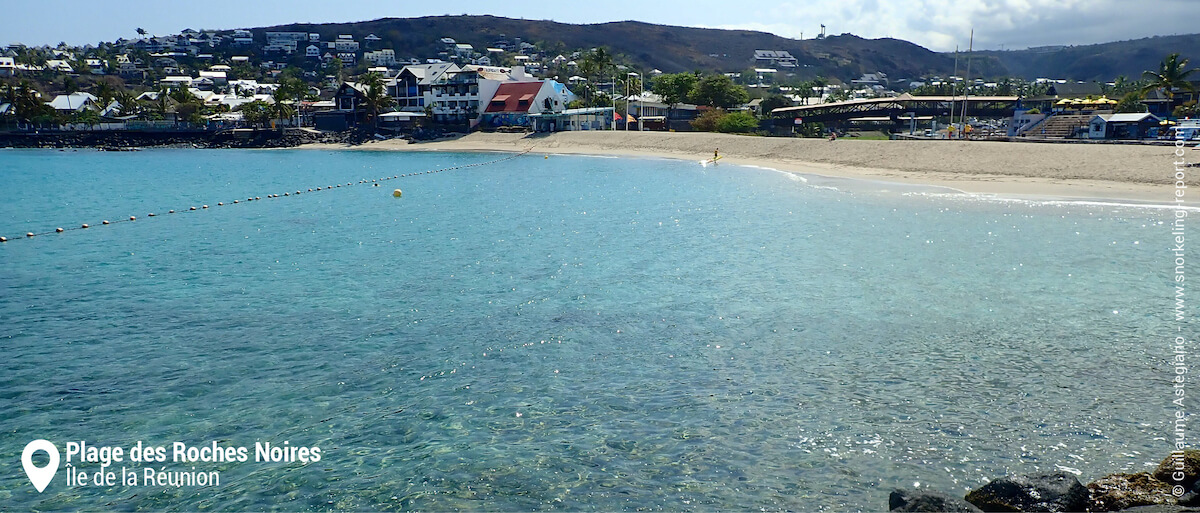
pixel 40 477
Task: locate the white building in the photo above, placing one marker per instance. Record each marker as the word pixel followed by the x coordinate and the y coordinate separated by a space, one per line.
pixel 463 50
pixel 59 65
pixel 286 37
pixel 385 57
pixel 774 58
pixel 74 102
pixel 345 43
pixel 242 37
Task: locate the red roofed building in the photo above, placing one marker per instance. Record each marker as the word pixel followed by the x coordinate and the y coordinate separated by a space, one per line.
pixel 516 97
pixel 514 102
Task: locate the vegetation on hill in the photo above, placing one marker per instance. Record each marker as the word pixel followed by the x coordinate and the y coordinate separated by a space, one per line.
pixel 675 49
pixel 1099 62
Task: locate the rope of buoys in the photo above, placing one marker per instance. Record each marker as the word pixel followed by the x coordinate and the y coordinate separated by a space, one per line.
pixel 396 193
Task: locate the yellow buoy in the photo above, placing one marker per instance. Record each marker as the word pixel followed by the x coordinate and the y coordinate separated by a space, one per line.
pixel 547 157
pixel 396 193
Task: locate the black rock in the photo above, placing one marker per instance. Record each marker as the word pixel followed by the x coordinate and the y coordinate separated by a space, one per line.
pixel 912 500
pixel 1050 492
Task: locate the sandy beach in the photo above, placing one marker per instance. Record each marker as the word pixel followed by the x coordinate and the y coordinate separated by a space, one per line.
pixel 1034 170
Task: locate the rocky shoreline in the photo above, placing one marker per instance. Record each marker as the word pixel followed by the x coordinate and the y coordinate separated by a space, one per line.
pixel 131 139
pixel 1161 491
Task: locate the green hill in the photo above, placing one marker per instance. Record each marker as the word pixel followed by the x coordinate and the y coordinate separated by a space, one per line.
pixel 1100 62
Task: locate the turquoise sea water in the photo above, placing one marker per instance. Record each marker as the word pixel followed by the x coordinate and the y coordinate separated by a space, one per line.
pixel 571 333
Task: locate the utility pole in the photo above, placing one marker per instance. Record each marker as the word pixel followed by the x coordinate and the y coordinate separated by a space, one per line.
pixel 954 86
pixel 967 86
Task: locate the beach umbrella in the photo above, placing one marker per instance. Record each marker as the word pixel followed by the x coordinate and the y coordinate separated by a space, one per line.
pixel 1106 100
pixel 1064 101
pixel 1166 122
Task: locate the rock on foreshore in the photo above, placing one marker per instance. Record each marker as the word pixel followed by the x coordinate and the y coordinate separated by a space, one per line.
pixel 1048 492
pixel 115 140
pixel 1118 492
pixel 910 500
pixel 1143 492
pixel 1191 469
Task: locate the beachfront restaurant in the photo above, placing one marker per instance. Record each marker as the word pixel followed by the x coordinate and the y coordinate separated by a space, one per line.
pixel 1123 126
pixel 592 118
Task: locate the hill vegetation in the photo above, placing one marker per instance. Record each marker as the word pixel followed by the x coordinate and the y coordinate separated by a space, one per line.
pixel 675 49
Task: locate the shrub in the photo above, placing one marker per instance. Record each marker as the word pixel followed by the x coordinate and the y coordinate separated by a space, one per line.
pixel 1132 102
pixel 1186 110
pixel 708 121
pixel 812 130
pixel 737 123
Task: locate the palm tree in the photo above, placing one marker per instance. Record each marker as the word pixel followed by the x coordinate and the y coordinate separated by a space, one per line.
pixel 160 99
pixel 26 101
pixel 105 92
pixel 291 89
pixel 1171 75
pixel 804 91
pixel 128 102
pixel 596 64
pixel 279 108
pixel 820 82
pixel 376 96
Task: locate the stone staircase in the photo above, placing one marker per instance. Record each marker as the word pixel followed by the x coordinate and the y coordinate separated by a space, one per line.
pixel 1060 127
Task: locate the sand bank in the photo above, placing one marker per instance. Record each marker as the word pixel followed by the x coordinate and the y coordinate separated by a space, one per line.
pixel 1038 170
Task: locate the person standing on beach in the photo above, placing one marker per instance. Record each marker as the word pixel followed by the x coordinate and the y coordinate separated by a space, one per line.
pixel 716 154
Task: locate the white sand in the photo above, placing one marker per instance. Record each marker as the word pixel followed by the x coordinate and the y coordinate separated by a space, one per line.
pixel 1123 172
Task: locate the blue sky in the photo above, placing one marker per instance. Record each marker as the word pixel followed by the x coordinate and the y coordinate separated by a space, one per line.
pixel 935 24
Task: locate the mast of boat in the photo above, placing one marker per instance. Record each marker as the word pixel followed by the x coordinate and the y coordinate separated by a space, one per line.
pixel 954 86
pixel 967 85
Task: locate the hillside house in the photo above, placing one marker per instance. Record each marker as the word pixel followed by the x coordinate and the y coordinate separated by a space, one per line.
pixel 774 59
pixel 385 57
pixel 73 103
pixel 345 43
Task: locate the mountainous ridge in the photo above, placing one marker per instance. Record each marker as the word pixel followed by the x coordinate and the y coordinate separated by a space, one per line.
pixel 675 49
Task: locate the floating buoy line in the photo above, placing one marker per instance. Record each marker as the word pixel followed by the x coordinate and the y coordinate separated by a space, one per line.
pixel 192 209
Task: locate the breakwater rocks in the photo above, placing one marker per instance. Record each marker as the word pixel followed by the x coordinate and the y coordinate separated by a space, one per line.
pixel 125 139
pixel 1173 487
